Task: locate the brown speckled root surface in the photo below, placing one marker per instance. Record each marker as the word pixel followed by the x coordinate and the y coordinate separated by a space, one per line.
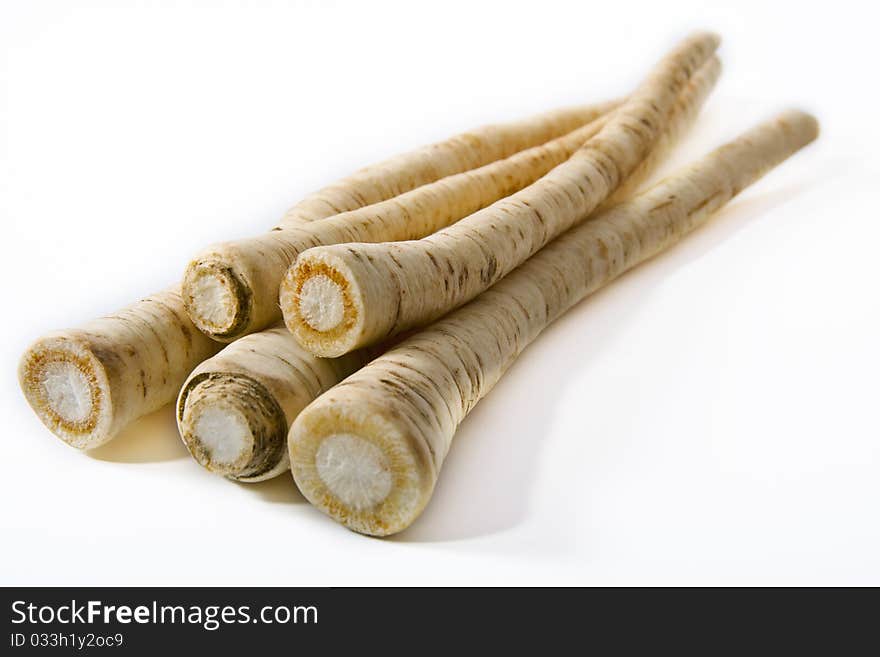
pixel 463 152
pixel 409 401
pixel 133 361
pixel 252 270
pixel 404 285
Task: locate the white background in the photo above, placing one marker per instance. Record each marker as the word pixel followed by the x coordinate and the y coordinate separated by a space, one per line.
pixel 711 418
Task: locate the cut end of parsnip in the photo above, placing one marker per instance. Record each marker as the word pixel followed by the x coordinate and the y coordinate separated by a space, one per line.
pixel 215 299
pixel 232 426
pixel 67 387
pixel 225 439
pixel 354 470
pixel 357 466
pixel 320 306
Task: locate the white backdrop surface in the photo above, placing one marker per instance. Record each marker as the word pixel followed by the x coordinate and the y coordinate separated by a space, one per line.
pixel 710 418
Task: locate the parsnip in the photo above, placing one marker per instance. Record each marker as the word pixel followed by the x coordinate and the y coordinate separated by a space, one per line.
pixel 235 409
pixel 681 117
pixel 367 292
pixel 231 289
pixel 462 152
pixel 87 384
pixel 369 451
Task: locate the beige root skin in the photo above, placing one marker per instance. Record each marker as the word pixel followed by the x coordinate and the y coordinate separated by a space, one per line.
pixel 457 154
pixel 406 284
pixel 231 289
pixel 681 118
pixel 410 401
pixel 235 409
pixel 87 384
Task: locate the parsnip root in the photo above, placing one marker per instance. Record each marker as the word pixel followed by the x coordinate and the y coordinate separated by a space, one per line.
pixel 369 451
pixel 87 384
pixel 231 289
pixel 396 286
pixel 235 409
pixel 463 152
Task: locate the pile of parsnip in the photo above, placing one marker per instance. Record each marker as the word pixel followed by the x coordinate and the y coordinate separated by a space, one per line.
pixel 347 343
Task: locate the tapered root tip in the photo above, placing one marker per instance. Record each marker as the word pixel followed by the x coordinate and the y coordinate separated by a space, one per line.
pixel 714 38
pixel 232 426
pixel 358 467
pixel 216 300
pixel 806 125
pixel 320 305
pixel 708 40
pixel 67 388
